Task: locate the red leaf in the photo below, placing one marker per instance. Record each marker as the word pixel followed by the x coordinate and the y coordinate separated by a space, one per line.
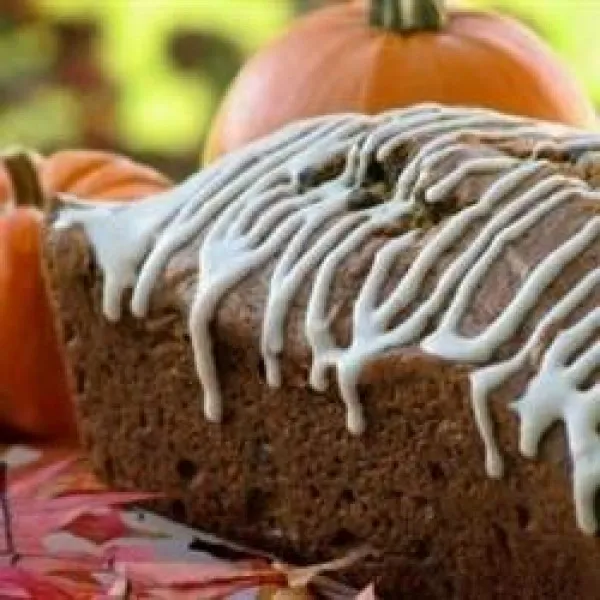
pixel 19 583
pixel 61 497
pixel 74 576
pixel 194 581
pixel 99 528
pixel 128 553
pixel 61 563
pixel 50 478
pixel 35 482
pixel 197 575
pixel 40 505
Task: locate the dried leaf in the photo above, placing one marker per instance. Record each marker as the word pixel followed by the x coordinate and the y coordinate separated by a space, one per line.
pixel 367 594
pixel 272 593
pixel 298 577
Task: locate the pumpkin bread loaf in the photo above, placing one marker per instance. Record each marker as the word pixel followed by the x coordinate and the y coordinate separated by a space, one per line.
pixel 360 332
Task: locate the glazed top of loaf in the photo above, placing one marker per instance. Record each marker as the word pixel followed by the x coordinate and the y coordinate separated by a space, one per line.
pixel 449 204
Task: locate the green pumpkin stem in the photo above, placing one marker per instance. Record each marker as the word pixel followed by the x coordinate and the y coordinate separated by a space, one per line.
pixel 27 189
pixel 408 16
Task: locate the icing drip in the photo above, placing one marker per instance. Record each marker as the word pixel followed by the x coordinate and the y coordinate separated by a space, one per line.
pixel 255 209
pixel 135 227
pixel 554 394
pixel 485 380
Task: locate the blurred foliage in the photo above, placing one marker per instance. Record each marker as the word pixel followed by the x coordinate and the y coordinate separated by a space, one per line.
pixel 144 77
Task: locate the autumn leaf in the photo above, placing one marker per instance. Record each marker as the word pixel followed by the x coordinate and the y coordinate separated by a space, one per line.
pixel 62 498
pixel 298 577
pixel 40 480
pixel 105 526
pixel 40 506
pixel 185 575
pixel 22 584
pixel 271 593
pixel 58 497
pixel 367 594
pixel 53 478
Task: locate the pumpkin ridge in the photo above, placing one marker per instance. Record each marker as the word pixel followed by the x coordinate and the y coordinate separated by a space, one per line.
pixel 507 65
pixel 88 173
pixel 369 84
pixel 516 37
pixel 504 66
pixel 128 190
pixel 61 170
pixel 349 45
pixel 114 175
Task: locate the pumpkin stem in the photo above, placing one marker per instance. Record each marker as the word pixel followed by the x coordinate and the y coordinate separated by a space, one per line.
pixel 27 189
pixel 405 16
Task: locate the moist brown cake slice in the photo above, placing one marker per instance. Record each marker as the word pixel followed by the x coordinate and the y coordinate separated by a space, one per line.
pixel 385 315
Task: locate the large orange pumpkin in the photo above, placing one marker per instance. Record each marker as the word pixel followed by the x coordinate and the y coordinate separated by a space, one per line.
pixel 34 397
pixel 375 55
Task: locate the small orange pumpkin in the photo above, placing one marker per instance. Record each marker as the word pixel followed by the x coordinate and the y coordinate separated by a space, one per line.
pixel 382 54
pixel 35 401
pixel 91 174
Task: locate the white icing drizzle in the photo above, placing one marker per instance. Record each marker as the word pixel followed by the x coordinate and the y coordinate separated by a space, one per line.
pixel 555 394
pixel 251 210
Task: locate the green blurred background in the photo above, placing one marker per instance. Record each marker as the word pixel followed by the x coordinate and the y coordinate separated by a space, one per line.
pixel 144 77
